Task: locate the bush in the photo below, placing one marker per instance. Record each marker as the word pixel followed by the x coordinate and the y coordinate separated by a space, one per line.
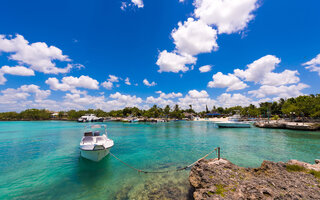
pixel 276 117
pixel 295 168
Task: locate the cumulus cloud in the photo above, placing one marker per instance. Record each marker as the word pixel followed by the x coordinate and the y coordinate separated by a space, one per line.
pixel 228 16
pixel 283 78
pixel 71 83
pixel 173 62
pixel 314 64
pixel 113 78
pixel 146 82
pixel 39 56
pixel 198 100
pixel 14 97
pixel 159 101
pixel 138 3
pixel 260 71
pixel 2 79
pixel 229 100
pixel 109 83
pixel 134 3
pixel 121 100
pixel 127 81
pixel 124 5
pixel 17 70
pixel 169 95
pixel 279 91
pixel 230 81
pixel 256 71
pixel 194 37
pixel 205 68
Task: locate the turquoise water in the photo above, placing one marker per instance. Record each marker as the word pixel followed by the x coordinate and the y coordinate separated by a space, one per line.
pixel 40 160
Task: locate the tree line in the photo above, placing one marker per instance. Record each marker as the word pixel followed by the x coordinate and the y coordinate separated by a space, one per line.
pixel 302 106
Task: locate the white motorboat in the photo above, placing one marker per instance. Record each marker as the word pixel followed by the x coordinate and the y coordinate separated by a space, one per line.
pixel 94 145
pixel 90 118
pixel 229 124
pixel 233 122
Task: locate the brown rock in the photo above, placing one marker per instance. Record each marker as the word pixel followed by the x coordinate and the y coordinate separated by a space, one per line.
pixel 221 179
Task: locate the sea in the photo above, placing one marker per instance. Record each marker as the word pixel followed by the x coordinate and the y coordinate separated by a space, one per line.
pixel 41 159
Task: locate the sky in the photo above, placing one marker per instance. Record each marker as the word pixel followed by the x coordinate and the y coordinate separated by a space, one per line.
pixel 62 55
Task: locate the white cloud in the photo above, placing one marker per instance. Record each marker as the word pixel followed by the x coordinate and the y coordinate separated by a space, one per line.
pixel 194 37
pixel 124 5
pixel 14 98
pixel 205 68
pixel 230 81
pixel 172 62
pixel 229 100
pixel 314 64
pixel 108 85
pixel 84 99
pixel 283 78
pixel 169 95
pixel 146 82
pixel 198 100
pixel 122 100
pixel 138 3
pixel 228 15
pixel 70 83
pixel 280 91
pixel 17 70
pixel 2 79
pixel 127 81
pixel 113 78
pixel 159 101
pixel 39 56
pixel 258 69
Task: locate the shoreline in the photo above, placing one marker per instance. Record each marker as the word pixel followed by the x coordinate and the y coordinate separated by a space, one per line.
pixel 221 179
pixel 303 126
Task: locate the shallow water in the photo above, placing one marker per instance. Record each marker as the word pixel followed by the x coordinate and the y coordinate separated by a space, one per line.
pixel 40 160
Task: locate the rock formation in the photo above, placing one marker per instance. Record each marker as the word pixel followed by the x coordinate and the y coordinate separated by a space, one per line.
pixel 221 179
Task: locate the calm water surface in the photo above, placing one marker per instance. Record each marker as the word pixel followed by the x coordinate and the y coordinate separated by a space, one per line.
pixel 40 160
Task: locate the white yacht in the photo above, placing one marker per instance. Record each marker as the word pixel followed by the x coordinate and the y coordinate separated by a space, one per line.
pixel 94 144
pixel 90 118
pixel 233 122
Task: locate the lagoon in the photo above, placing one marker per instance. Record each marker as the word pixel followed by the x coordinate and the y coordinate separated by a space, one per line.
pixel 40 159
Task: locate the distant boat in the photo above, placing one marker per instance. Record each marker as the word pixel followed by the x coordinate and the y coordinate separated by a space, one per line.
pixel 233 122
pixel 90 118
pixel 134 120
pixel 93 145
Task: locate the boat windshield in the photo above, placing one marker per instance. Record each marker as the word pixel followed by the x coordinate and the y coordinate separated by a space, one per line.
pixel 95 130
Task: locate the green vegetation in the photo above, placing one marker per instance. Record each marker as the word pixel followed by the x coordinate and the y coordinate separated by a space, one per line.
pixel 220 190
pixel 302 106
pixel 314 173
pixel 295 168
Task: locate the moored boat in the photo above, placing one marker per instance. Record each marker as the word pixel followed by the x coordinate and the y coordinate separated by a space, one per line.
pixel 90 118
pixel 230 124
pixel 94 145
pixel 233 122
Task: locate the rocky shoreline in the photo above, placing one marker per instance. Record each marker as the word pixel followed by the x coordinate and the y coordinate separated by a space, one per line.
pixel 221 179
pixel 288 125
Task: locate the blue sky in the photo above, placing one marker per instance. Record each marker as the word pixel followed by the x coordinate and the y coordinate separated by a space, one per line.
pixel 255 51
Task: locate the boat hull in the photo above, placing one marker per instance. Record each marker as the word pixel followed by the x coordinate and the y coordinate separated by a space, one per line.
pixel 94 155
pixel 233 125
